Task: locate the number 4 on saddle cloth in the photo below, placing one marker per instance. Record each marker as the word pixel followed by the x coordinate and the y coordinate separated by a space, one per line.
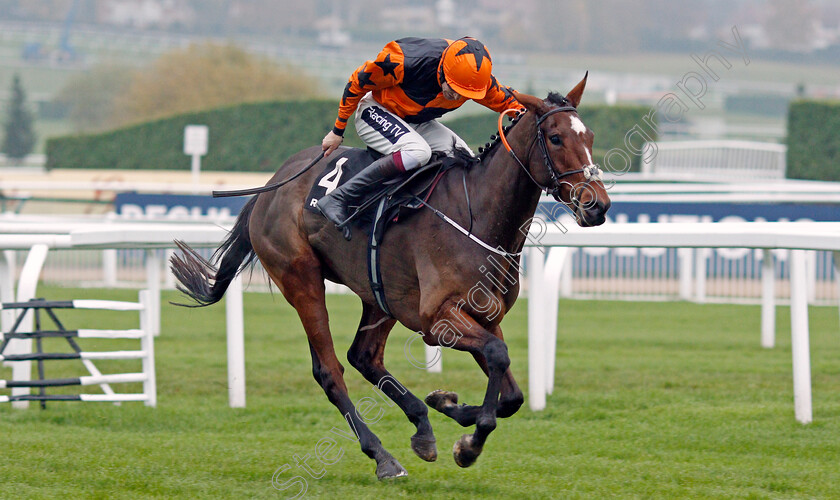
pixel 395 200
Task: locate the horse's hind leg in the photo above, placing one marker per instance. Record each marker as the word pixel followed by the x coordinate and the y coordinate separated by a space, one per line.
pixel 303 286
pixel 367 355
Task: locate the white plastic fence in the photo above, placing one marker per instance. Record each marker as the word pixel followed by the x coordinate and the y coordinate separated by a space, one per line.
pixel 544 276
pixel 720 275
pixel 719 159
pixel 545 282
pixel 38 239
pixel 724 275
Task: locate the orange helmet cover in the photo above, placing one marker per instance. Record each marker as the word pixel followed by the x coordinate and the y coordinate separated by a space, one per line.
pixel 467 68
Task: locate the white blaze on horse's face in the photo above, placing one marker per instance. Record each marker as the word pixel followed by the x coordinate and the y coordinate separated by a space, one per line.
pixel 580 128
pixel 577 125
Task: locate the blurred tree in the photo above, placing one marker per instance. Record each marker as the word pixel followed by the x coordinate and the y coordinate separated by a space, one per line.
pixel 207 76
pixel 90 97
pixel 19 138
pixel 790 24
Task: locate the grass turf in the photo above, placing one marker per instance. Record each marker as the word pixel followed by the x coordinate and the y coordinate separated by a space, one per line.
pixel 653 400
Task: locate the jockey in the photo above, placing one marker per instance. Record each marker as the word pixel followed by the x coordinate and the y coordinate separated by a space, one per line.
pixel 397 98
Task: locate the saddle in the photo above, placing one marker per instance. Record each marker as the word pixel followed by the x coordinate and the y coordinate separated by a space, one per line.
pixel 400 195
pixel 393 202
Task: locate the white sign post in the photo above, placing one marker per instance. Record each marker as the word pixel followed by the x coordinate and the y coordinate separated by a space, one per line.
pixel 195 145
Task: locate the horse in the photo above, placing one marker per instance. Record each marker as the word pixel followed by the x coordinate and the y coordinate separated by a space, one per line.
pixel 429 269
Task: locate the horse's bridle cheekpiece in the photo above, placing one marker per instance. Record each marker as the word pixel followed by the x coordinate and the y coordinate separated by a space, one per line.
pixel 590 172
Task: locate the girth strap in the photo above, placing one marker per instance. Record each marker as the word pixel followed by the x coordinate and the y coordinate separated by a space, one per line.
pixel 374 265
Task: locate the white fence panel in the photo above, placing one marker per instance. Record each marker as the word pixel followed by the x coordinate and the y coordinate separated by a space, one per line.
pixel 721 160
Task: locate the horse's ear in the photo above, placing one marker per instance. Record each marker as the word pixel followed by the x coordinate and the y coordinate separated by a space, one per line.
pixel 575 95
pixel 531 103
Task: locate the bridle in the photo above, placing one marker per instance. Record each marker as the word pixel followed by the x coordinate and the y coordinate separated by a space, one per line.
pixel 590 172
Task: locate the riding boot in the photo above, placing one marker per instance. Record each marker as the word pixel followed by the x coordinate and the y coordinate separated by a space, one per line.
pixel 334 205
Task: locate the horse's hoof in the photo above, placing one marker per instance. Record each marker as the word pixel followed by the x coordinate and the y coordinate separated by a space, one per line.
pixel 424 447
pixel 465 453
pixel 389 468
pixel 441 399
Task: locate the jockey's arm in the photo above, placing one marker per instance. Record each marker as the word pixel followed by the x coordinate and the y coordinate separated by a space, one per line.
pixel 499 98
pixel 386 70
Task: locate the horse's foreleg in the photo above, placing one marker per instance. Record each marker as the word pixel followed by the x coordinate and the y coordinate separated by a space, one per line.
pixel 367 355
pixel 303 287
pixel 475 339
pixel 510 398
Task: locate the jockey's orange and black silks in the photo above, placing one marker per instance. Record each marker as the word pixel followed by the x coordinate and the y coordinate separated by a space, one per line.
pixel 404 78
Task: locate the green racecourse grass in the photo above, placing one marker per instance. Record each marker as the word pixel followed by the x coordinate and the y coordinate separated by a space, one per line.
pixel 652 400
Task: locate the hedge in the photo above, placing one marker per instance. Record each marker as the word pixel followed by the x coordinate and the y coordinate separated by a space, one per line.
pixel 261 136
pixel 246 137
pixel 813 140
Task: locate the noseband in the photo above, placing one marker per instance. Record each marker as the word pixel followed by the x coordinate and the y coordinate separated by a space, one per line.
pixel 590 172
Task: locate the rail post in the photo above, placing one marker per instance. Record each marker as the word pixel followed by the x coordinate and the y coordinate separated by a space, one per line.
pixel 235 343
pixel 799 336
pixel 536 334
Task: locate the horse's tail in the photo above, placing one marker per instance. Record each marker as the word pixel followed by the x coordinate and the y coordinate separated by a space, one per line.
pixel 200 279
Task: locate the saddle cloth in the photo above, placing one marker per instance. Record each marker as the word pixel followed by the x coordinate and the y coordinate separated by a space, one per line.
pixel 342 167
pixel 400 192
pixel 385 205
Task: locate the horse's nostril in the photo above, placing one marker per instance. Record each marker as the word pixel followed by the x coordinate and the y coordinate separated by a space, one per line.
pixel 600 207
pixel 596 213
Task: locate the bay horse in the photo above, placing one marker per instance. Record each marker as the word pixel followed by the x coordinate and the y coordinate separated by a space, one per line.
pixel 429 269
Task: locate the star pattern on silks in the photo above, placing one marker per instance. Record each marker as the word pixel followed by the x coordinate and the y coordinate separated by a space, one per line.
pixel 508 92
pixel 364 79
pixel 477 49
pixel 347 94
pixel 388 67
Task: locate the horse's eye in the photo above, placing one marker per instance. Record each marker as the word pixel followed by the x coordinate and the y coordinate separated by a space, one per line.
pixel 556 140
